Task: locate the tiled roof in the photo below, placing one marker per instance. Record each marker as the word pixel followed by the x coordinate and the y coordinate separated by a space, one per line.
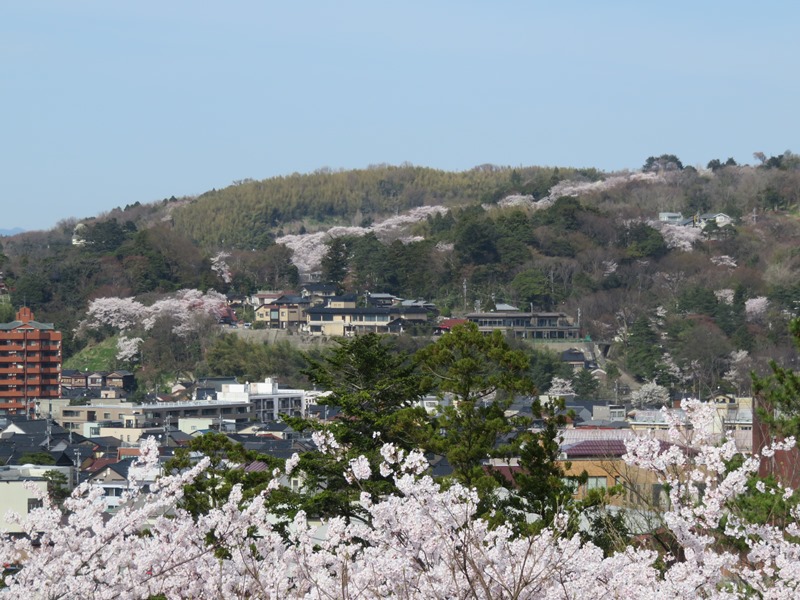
pixel 596 448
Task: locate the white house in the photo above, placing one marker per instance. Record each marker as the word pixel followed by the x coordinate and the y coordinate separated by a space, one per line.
pixel 268 400
pixel 20 486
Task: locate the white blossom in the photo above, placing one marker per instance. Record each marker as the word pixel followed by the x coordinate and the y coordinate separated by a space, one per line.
pixel 128 348
pixel 724 261
pixel 423 541
pixel 650 394
pixel 560 387
pixel 725 295
pixel 755 308
pixel 220 267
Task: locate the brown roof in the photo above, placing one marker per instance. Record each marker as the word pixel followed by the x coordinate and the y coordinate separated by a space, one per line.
pixel 99 463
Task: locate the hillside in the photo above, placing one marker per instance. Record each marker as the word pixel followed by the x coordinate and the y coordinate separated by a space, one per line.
pixel 673 302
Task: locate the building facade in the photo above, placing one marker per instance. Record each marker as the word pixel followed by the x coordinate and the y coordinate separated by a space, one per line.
pixel 269 401
pixel 30 363
pixel 527 325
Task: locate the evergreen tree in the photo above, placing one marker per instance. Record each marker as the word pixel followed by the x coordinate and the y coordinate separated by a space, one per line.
pixel 375 391
pixel 643 352
pixel 480 374
pixel 336 260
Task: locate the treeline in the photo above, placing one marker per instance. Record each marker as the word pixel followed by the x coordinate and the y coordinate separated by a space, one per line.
pixel 251 213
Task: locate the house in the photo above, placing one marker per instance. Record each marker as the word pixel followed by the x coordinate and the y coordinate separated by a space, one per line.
pixel 574 358
pixel 527 325
pixel 381 299
pixel 96 379
pixel 269 401
pixel 721 219
pixel 114 479
pixel 72 378
pixel 343 301
pixel 291 311
pixel 136 418
pixel 318 293
pixel 120 379
pixel 20 488
pixel 446 325
pixel 430 307
pixel 675 218
pixel 601 460
pixel 348 321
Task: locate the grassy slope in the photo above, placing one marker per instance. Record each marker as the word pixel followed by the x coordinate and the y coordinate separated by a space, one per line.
pixel 97 357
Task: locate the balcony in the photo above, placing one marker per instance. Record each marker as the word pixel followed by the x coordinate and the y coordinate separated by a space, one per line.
pixel 11 370
pixel 11 348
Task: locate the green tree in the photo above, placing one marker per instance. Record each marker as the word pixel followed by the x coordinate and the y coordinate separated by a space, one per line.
pixel 37 458
pixel 778 394
pixel 585 385
pixel 480 374
pixel 532 287
pixel 226 469
pixel 539 486
pixel 643 352
pixel 475 241
pixel 106 236
pixel 665 162
pixel 374 389
pixel 57 486
pixel 32 290
pixel 642 241
pixel 6 311
pixel 336 260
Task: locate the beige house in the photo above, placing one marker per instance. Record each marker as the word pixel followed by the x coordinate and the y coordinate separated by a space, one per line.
pixel 348 321
pixel 285 312
pixel 156 415
pixel 19 486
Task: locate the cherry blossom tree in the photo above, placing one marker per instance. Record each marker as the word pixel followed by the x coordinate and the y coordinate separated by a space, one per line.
pixel 650 394
pixel 220 266
pixel 756 308
pixel 128 348
pixel 423 541
pixel 738 374
pixel 184 309
pixel 560 387
pixel 678 237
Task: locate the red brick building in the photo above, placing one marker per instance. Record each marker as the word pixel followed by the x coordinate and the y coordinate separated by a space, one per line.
pixel 30 363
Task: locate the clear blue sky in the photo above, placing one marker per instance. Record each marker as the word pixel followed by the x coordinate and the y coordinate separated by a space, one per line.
pixel 106 103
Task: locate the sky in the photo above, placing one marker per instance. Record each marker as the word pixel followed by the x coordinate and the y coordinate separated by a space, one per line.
pixel 108 103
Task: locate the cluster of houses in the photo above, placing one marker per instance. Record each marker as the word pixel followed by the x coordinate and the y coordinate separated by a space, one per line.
pixel 319 310
pixel 98 441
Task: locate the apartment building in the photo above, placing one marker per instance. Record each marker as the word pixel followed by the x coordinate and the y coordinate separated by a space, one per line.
pixel 30 363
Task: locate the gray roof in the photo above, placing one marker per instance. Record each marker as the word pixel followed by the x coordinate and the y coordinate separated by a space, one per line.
pixel 30 324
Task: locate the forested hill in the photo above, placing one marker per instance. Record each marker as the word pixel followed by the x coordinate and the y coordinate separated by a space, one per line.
pixel 249 214
pixel 671 298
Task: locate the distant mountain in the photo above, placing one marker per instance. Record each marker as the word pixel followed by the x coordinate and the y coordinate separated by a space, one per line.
pixel 14 231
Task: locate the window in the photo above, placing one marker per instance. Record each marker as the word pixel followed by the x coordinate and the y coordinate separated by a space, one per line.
pixel 596 483
pixel 571 483
pixel 660 496
pixel 34 503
